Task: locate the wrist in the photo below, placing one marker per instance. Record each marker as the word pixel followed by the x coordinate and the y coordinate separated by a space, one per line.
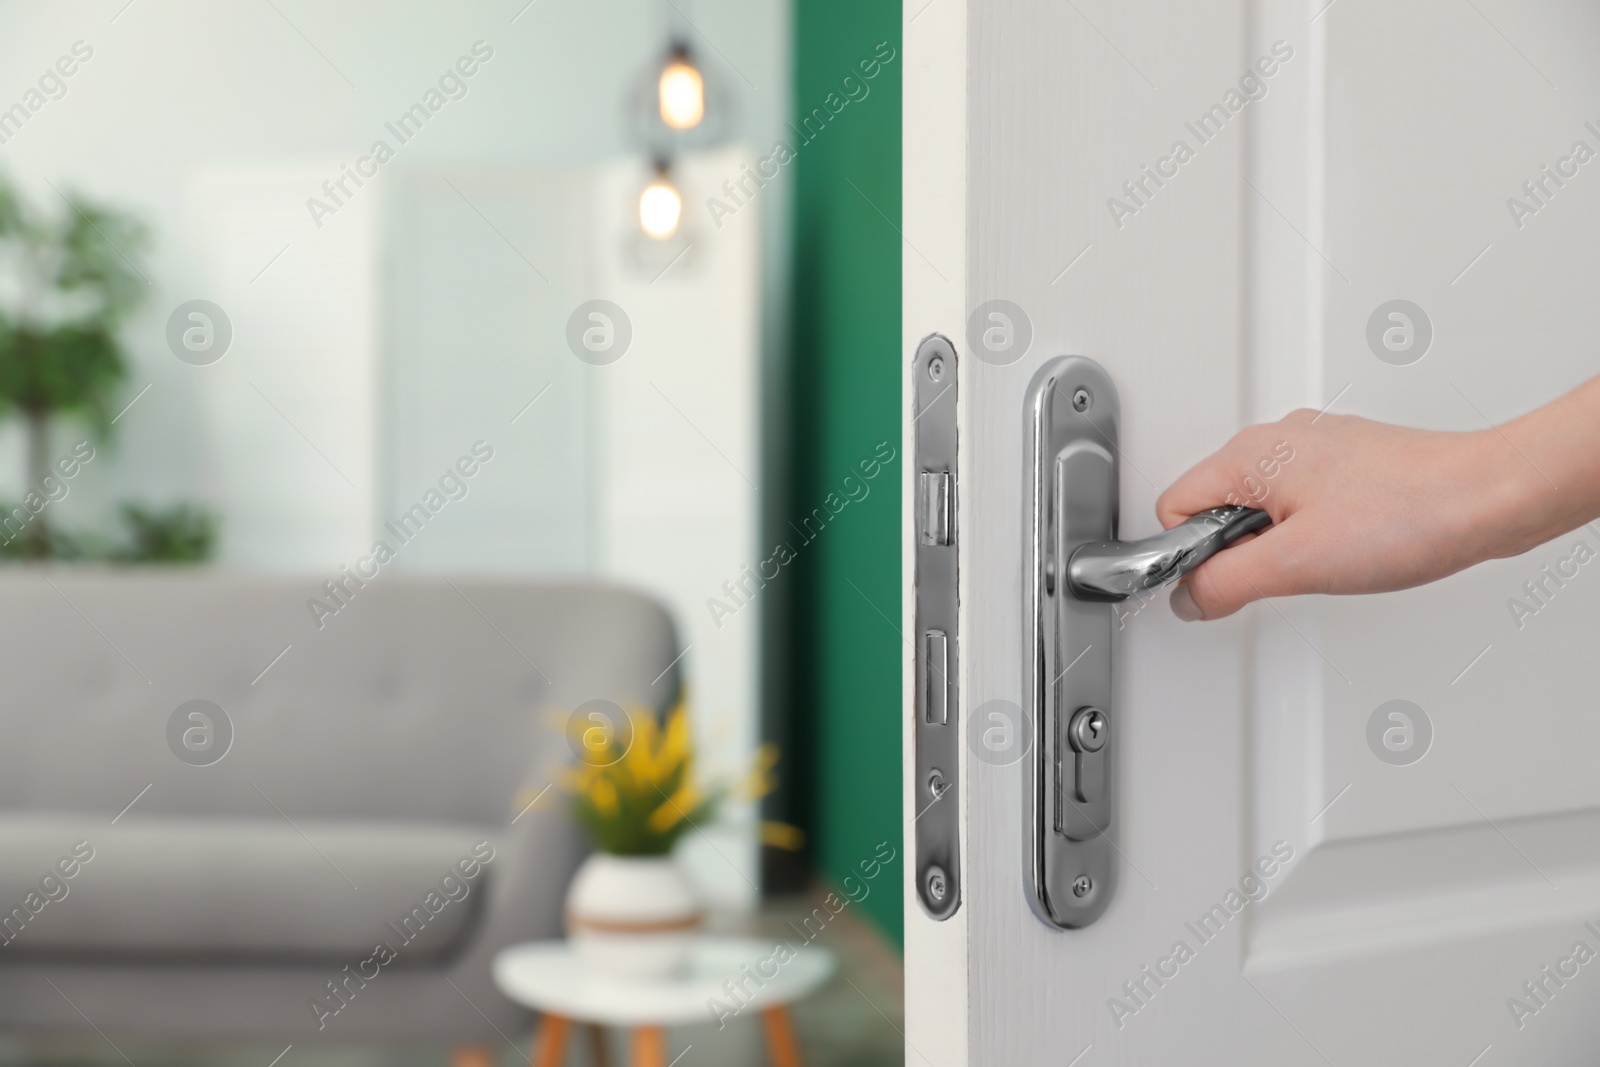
pixel 1509 505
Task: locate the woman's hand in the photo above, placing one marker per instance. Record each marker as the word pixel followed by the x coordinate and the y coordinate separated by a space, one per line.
pixel 1357 507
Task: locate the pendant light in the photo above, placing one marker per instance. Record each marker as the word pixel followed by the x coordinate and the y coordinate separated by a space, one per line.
pixel 679 105
pixel 660 205
pixel 681 90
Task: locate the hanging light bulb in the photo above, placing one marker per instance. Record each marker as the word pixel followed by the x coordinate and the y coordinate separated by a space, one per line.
pixel 660 206
pixel 681 91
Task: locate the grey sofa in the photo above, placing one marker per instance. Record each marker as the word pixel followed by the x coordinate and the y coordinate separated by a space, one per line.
pixel 365 798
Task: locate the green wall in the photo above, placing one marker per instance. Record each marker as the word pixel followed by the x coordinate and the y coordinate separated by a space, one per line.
pixel 845 383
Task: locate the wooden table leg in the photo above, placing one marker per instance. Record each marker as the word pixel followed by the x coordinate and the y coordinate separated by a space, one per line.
pixel 649 1047
pixel 472 1056
pixel 597 1045
pixel 551 1047
pixel 780 1037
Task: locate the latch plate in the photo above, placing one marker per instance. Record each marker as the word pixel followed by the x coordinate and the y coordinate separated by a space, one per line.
pixel 936 644
pixel 1070 796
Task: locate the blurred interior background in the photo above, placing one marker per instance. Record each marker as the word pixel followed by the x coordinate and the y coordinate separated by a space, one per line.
pixel 547 298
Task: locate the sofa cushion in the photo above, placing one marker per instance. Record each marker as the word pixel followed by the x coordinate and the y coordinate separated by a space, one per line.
pixel 425 698
pixel 235 890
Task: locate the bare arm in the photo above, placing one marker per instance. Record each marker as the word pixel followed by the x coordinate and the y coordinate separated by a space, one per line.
pixel 1364 507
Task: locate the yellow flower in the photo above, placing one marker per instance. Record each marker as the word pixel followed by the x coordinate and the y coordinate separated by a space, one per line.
pixel 640 799
pixel 603 795
pixel 675 808
pixel 675 745
pixel 782 835
pixel 759 781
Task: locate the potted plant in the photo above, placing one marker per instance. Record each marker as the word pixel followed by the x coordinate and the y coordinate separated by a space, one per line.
pixel 68 282
pixel 71 286
pixel 629 908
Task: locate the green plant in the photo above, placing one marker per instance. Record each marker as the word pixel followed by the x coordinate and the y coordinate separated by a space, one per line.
pixel 70 284
pixel 180 534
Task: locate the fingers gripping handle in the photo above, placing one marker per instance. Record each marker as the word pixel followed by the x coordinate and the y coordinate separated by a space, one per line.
pixel 1109 571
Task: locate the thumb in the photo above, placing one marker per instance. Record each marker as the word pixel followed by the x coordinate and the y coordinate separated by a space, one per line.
pixel 1261 567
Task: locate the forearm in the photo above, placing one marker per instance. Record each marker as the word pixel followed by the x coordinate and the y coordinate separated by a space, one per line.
pixel 1545 467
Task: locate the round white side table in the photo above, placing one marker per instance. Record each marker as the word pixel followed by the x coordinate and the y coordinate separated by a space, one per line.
pixel 550 977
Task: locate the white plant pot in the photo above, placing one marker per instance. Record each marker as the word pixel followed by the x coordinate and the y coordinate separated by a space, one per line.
pixel 633 915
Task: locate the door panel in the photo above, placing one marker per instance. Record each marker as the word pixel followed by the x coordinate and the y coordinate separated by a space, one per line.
pixel 1373 164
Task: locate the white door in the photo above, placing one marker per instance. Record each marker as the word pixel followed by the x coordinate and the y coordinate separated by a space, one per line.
pixel 1380 890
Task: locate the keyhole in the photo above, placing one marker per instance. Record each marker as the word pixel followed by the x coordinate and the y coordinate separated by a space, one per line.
pixel 1087 730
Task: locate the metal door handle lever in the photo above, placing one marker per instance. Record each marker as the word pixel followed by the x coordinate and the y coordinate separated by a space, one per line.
pixel 1074 570
pixel 1109 571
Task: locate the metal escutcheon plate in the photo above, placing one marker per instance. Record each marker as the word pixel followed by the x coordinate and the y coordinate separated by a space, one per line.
pixel 1071 788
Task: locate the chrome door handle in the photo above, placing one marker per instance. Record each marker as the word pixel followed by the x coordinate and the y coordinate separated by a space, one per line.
pixel 1111 571
pixel 1076 571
